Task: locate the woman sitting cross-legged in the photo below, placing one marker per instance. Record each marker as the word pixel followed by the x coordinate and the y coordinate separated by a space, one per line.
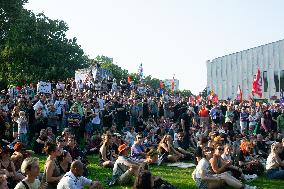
pixel 206 180
pixel 223 163
pixel 219 165
pixel 105 152
pixel 124 168
pixel 274 163
pixel 248 162
pixel 138 149
pixel 167 150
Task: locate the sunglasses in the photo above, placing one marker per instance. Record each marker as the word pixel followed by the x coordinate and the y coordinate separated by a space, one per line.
pixel 220 149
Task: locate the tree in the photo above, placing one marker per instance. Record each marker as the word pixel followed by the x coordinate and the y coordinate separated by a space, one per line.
pixel 107 63
pixel 35 47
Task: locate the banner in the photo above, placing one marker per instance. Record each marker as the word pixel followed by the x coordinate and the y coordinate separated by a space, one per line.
pixel 44 87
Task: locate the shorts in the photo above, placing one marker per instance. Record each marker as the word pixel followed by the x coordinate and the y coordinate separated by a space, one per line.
pixel 201 184
pixel 125 178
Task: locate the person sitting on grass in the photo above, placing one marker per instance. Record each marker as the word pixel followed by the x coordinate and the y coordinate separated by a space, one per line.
pixel 52 173
pixel 151 156
pixel 3 182
pixel 8 165
pixel 180 146
pixel 138 149
pixel 144 180
pixel 247 162
pixel 124 168
pixel 206 180
pixel 167 151
pixel 221 165
pixel 30 167
pixel 64 161
pixel 274 163
pixel 105 153
pixel 40 142
pixel 74 179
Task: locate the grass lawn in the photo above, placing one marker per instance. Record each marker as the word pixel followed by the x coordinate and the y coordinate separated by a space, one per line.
pixel 181 178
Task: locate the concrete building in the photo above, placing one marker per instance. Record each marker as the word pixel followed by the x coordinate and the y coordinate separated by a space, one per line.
pixel 168 83
pixel 225 73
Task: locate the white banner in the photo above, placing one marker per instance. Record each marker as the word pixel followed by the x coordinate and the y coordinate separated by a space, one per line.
pixel 44 87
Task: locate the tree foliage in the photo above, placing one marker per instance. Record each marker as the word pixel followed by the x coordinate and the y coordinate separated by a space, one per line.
pixel 34 47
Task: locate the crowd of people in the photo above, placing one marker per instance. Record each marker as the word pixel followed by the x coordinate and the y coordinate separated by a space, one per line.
pixel 131 126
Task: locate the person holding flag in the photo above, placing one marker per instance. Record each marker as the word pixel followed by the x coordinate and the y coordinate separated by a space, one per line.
pixel 173 83
pixel 239 94
pixel 140 72
pixel 257 85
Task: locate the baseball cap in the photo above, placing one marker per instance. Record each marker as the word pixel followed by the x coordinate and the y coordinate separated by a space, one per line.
pixel 122 148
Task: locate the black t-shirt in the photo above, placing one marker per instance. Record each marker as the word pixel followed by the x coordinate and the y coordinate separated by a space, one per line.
pixel 262 146
pixel 187 120
pixel 243 156
pixel 181 144
pixel 198 153
pixel 209 106
pixel 107 119
pixel 223 109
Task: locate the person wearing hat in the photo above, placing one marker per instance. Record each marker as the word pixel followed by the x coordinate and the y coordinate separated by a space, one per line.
pixel 124 168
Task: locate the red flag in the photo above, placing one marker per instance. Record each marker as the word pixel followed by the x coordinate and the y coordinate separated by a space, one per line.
pixel 215 98
pixel 173 83
pixel 198 99
pixel 257 85
pixel 161 84
pixel 239 94
pixel 191 100
pixel 129 79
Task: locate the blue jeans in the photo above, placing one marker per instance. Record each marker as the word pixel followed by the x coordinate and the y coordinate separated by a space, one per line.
pixel 275 174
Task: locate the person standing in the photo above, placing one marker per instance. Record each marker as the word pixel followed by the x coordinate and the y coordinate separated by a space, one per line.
pixel 280 122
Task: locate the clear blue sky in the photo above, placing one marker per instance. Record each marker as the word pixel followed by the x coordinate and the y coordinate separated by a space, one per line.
pixel 168 36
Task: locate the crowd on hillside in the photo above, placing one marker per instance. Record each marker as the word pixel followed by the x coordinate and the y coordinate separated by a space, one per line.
pixel 131 126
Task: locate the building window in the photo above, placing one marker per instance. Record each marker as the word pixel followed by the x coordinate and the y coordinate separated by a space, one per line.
pixel 265 82
pixel 276 81
pixel 282 79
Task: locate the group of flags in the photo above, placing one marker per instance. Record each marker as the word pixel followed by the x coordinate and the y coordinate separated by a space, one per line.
pixel 256 87
pixel 256 90
pixel 140 74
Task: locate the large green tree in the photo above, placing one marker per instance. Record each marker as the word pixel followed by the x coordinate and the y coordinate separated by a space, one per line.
pixel 34 47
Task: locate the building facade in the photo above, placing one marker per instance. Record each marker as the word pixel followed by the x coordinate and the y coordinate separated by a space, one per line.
pixel 224 74
pixel 168 84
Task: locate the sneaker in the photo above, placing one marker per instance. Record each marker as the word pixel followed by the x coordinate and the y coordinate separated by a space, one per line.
pixel 250 187
pixel 250 178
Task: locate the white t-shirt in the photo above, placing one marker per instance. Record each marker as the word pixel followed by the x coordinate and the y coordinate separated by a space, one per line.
pixel 96 120
pixel 22 125
pixel 58 106
pixel 34 185
pixel 69 181
pixel 203 165
pixel 101 103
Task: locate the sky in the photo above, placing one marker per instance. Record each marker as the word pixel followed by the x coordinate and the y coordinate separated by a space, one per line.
pixel 169 37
